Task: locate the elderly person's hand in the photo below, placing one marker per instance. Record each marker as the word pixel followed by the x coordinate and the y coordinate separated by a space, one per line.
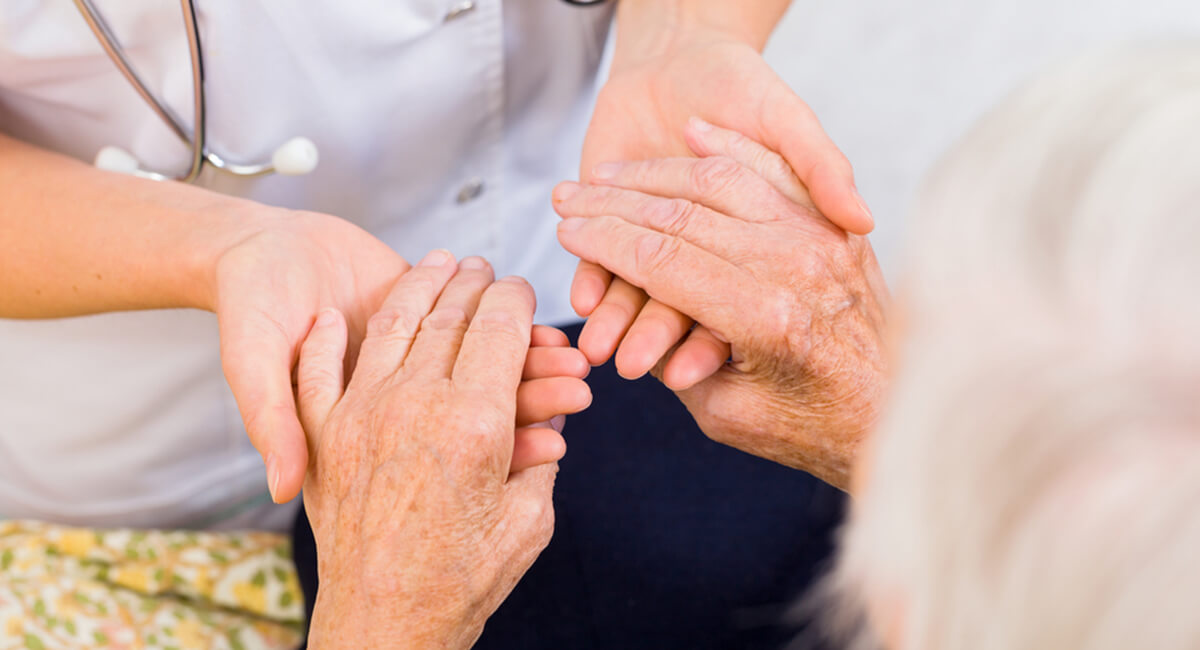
pixel 674 60
pixel 799 300
pixel 421 530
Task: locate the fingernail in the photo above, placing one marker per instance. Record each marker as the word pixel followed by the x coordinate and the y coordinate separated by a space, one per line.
pixel 558 422
pixel 437 257
pixel 571 225
pixel 273 476
pixel 862 205
pixel 700 125
pixel 326 317
pixel 565 191
pixel 514 279
pixel 605 171
pixel 474 263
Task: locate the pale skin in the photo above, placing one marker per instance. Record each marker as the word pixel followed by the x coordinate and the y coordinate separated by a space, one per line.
pixel 733 241
pixel 102 242
pixel 675 59
pixel 108 242
pixel 422 526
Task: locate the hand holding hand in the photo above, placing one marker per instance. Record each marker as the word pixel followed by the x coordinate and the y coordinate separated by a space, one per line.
pixel 421 530
pixel 271 285
pixel 269 288
pixel 732 241
pixel 640 114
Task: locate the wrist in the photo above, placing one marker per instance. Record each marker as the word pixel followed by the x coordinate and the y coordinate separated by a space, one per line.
pixel 648 29
pixel 223 223
pixel 343 617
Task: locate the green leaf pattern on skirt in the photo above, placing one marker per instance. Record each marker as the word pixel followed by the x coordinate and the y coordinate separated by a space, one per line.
pixel 68 587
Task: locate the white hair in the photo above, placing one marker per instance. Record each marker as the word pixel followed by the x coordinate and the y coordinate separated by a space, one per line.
pixel 1035 483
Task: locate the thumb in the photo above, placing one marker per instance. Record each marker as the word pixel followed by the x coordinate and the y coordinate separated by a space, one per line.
pixel 790 127
pixel 257 360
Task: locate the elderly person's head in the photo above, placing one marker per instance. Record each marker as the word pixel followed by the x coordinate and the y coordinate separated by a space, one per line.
pixel 1036 482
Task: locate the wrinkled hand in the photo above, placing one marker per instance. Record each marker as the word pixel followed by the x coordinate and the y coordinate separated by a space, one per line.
pixel 640 114
pixel 269 289
pixel 421 531
pixel 731 241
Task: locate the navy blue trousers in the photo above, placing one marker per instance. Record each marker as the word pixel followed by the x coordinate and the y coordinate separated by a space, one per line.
pixel 663 538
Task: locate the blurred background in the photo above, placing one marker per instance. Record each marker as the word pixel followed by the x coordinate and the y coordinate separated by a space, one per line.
pixel 896 82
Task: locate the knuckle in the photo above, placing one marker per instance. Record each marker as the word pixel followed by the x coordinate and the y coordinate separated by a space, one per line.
pixel 671 216
pixel 446 318
pixel 393 323
pixel 776 309
pixel 418 283
pixel 503 324
pixel 649 173
pixel 743 148
pixel 715 175
pixel 601 198
pixel 655 252
pixel 537 513
pixel 543 529
pixel 314 387
pixel 316 377
pixel 774 167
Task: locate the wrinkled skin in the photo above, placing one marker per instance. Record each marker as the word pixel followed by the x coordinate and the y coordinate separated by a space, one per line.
pixel 421 529
pixel 269 287
pixel 640 114
pixel 733 241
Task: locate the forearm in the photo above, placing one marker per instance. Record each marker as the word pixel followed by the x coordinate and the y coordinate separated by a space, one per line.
pixel 649 27
pixel 77 240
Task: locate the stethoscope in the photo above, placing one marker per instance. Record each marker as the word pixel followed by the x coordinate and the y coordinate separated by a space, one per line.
pixel 296 157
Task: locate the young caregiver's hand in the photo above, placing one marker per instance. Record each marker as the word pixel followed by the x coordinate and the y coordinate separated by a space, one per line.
pixel 269 288
pixel 663 74
pixel 422 528
pixel 730 241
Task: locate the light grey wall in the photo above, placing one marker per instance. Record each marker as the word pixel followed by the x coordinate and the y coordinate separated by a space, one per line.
pixel 896 82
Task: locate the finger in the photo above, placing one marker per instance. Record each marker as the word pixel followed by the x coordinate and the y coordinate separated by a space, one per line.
pixel 790 127
pixel 718 183
pixel 257 360
pixel 544 336
pixel 610 320
pixel 711 290
pixel 319 373
pixel 704 139
pixel 533 446
pixel 588 287
pixel 436 346
pixel 390 332
pixel 658 328
pixel 696 223
pixel 538 400
pixel 554 362
pixel 696 359
pixel 497 342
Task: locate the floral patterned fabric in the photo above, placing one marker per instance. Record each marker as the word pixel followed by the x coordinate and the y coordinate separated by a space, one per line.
pixel 81 588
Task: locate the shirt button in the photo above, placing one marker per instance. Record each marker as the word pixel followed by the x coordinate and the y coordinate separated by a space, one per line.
pixel 460 9
pixel 470 191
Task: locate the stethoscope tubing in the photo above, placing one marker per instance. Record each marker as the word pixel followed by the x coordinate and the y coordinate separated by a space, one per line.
pixel 195 137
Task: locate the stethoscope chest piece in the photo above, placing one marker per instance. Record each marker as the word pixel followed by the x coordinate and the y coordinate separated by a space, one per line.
pixel 297 156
